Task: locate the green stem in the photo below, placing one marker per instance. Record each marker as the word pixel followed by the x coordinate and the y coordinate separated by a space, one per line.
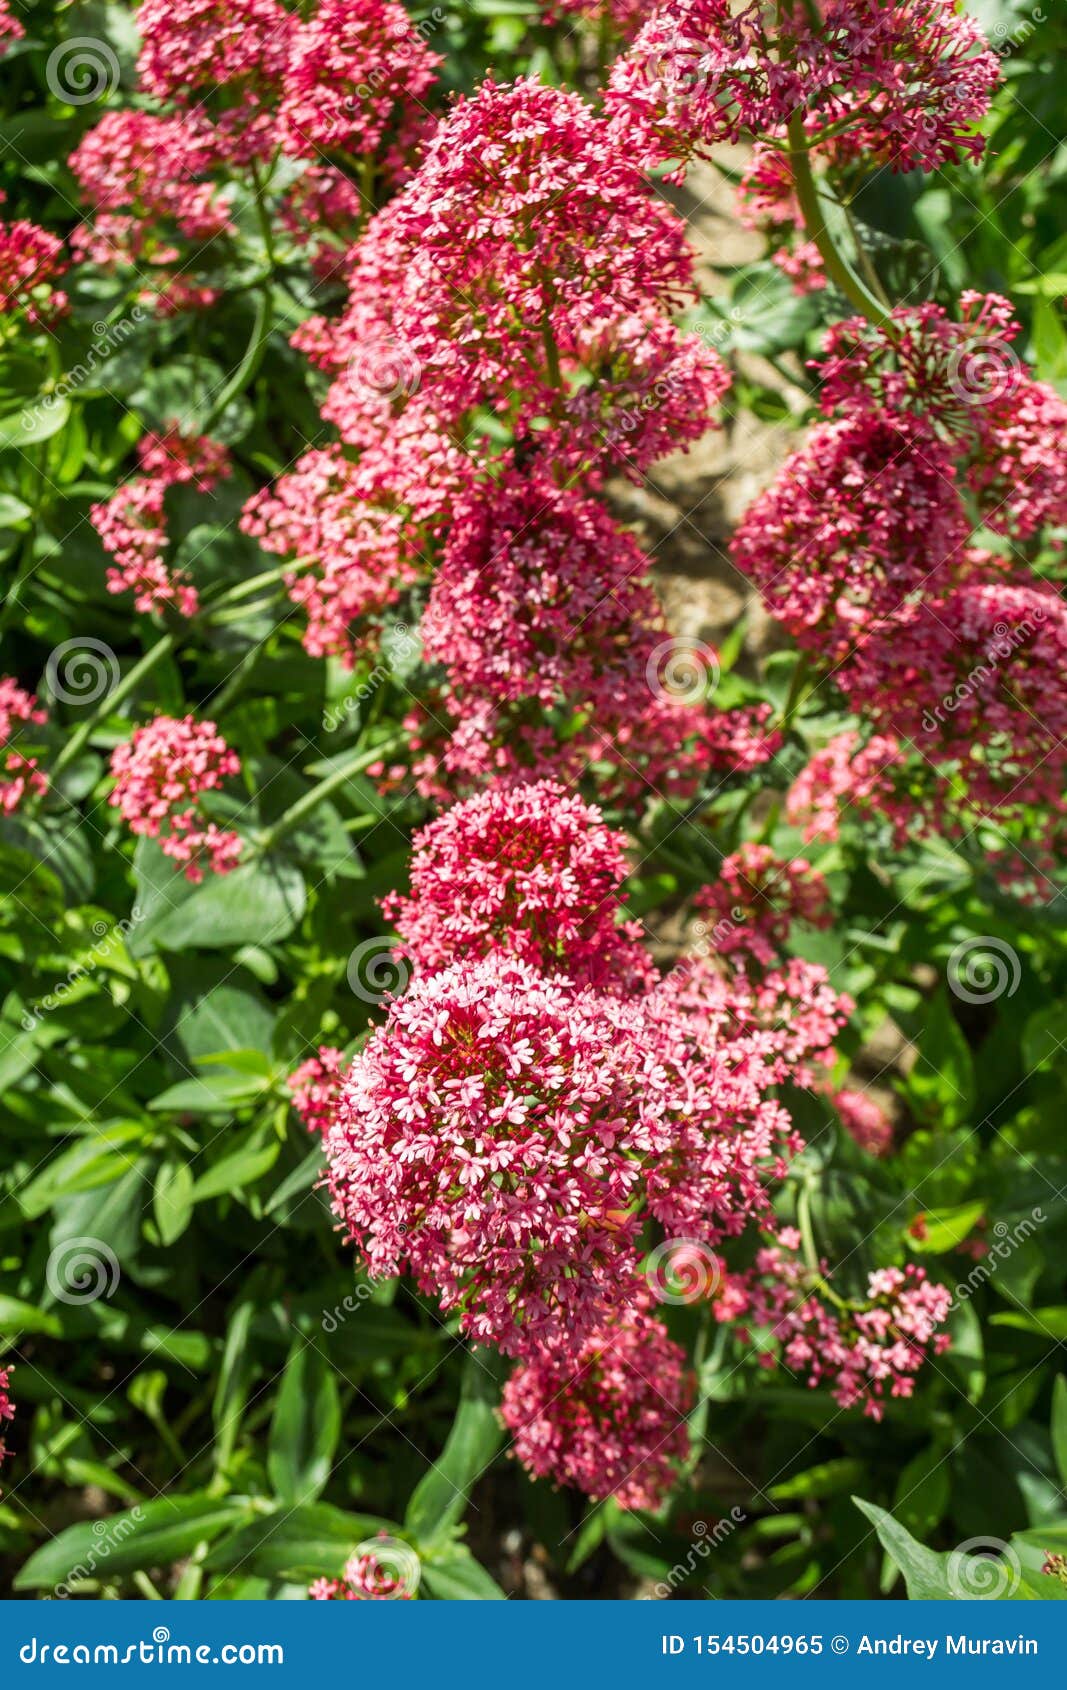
pixel 839 272
pixel 798 690
pixel 110 700
pixel 246 589
pixel 355 765
pixel 246 369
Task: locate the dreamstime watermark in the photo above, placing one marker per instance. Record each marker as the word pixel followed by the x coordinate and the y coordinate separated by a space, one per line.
pixel 1006 38
pixel 389 1565
pixel 82 1270
pixel 682 670
pixel 705 1539
pixel 81 670
pixel 401 643
pixel 710 941
pixel 375 971
pixel 402 52
pixel 108 935
pixel 1005 642
pixel 982 369
pixel 983 968
pixel 984 1569
pixel 384 367
pixel 107 339
pixel 683 1270
pixel 107 1537
pixel 1008 1239
pixel 157 1651
pixel 82 70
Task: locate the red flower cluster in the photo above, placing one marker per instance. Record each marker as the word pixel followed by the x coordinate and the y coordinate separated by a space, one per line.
pixel 17 707
pixel 160 774
pixel 132 523
pixel 864 1352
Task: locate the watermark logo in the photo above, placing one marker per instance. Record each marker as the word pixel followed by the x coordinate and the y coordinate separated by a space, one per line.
pixel 81 670
pixel 982 969
pixel 682 670
pixel 81 71
pixel 983 1569
pixel 683 1270
pixel 82 1270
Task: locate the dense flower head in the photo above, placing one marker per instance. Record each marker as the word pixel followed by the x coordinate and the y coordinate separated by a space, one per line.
pixel 907 82
pixel 526 240
pixel 864 1119
pixel 19 774
pixel 757 898
pixel 608 1420
pixel 555 656
pixel 863 1353
pixel 160 773
pixel 229 54
pixel 975 682
pixel 844 774
pixel 31 262
pixel 357 76
pixel 486 1143
pixel 315 1088
pixel 863 514
pixel 964 380
pixel 355 558
pixel 531 872
pixel 153 167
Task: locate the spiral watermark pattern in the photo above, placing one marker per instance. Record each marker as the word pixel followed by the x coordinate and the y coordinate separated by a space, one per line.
pixel 81 670
pixel 683 1270
pixel 683 670
pixel 983 369
pixel 81 70
pixel 82 1270
pixel 384 368
pixel 983 1569
pixel 982 969
pixel 375 971
pixel 384 1567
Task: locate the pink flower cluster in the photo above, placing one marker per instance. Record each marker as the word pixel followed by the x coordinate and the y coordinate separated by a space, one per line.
pixel 864 1120
pixel 132 523
pixel 159 774
pixel 17 707
pixel 905 84
pixel 757 898
pixel 863 548
pixel 864 1352
pixel 538 1096
pixel 315 1088
pixel 240 80
pixel 527 872
pixel 10 28
pixel 30 263
pixel 526 241
pixel 367 1577
pixel 608 1419
pixel 354 559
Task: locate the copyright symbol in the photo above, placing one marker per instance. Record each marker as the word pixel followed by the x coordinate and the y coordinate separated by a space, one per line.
pixel 839 1645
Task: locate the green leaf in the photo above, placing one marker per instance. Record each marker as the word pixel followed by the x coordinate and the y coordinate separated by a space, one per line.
pixel 259 902
pixel 313 1541
pixel 17 1316
pixel 943 1229
pixel 440 1498
pixel 925 1573
pixel 234 1382
pixel 306 1427
pixel 241 1168
pixel 33 423
pixel 941 1084
pixel 455 1576
pixel 154 1534
pixel 172 1200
